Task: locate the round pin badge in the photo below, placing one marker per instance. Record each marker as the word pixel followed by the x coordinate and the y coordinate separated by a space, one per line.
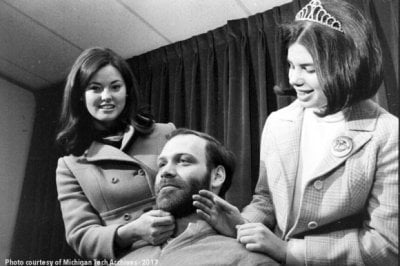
pixel 342 146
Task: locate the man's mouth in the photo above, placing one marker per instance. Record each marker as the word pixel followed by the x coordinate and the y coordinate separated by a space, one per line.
pixel 168 187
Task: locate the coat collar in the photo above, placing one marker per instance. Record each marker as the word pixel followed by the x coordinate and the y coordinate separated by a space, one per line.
pixel 362 116
pixel 98 151
pixel 360 122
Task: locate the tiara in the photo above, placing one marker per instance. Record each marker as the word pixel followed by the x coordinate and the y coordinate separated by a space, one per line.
pixel 314 11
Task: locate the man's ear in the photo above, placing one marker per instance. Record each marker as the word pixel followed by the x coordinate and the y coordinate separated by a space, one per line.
pixel 217 178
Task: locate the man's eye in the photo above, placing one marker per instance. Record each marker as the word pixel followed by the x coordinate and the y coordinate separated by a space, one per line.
pixel 161 165
pixel 183 161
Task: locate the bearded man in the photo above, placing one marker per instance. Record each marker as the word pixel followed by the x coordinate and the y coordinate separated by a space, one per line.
pixel 191 161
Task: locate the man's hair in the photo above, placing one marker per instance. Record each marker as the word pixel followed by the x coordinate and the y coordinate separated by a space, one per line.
pixel 348 64
pixel 216 154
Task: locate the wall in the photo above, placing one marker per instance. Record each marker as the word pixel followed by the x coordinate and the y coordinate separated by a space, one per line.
pixel 17 110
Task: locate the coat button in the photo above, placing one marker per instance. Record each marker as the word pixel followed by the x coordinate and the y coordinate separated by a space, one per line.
pixel 318 185
pixel 141 172
pixel 312 225
pixel 127 216
pixel 114 180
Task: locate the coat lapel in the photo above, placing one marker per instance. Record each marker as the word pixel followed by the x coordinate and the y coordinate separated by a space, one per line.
pixel 361 121
pixel 101 152
pixel 128 136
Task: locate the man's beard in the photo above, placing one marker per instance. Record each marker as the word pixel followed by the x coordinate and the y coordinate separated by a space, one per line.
pixel 178 201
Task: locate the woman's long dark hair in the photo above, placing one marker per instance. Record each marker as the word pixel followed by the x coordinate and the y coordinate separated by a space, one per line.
pixel 76 130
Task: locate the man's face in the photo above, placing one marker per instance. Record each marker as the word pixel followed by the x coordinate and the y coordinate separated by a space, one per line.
pixel 182 172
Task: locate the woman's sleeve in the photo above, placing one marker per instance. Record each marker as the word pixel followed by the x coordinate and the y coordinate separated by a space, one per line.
pixel 376 242
pixel 172 126
pixel 261 207
pixel 83 228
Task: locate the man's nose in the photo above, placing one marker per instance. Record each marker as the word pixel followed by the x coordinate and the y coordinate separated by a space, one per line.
pixel 168 171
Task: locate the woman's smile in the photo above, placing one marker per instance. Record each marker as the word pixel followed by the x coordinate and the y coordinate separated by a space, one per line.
pixel 303 77
pixel 105 96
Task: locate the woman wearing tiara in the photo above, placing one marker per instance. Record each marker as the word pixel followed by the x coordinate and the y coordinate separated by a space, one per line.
pixel 327 192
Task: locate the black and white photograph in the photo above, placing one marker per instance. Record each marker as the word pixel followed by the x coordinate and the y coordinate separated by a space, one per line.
pixel 199 132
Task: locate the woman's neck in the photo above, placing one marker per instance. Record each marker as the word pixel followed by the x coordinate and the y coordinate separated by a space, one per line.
pixel 102 126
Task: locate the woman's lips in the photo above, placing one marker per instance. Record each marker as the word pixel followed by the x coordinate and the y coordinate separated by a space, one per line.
pixel 304 95
pixel 107 106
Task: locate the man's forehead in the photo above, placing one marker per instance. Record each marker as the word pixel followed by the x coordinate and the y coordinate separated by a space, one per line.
pixel 179 144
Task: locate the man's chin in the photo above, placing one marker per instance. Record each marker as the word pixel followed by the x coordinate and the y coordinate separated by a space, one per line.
pixel 164 204
pixel 175 205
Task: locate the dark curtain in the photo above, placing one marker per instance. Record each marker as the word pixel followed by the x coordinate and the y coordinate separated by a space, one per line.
pixel 220 82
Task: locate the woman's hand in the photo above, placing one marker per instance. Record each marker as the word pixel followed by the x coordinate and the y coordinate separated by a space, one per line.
pixel 221 215
pixel 154 227
pixel 257 237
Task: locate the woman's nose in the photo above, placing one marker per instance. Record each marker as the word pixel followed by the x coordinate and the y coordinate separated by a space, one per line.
pixel 106 94
pixel 295 78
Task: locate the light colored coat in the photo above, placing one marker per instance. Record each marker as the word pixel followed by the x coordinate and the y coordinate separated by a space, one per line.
pixel 349 209
pixel 107 187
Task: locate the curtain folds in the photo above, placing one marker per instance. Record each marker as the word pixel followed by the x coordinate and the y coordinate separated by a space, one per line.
pixel 220 82
pixel 217 83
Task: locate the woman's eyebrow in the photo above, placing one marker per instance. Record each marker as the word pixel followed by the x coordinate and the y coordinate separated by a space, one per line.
pixel 303 64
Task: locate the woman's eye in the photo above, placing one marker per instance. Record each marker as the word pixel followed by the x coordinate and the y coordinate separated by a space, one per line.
pixel 116 87
pixel 312 70
pixel 161 165
pixel 94 88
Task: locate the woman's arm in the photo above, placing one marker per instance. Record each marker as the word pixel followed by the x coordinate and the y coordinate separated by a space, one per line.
pixel 220 214
pixel 85 232
pixel 154 227
pixel 83 227
pixel 224 217
pixel 375 242
pixel 261 208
